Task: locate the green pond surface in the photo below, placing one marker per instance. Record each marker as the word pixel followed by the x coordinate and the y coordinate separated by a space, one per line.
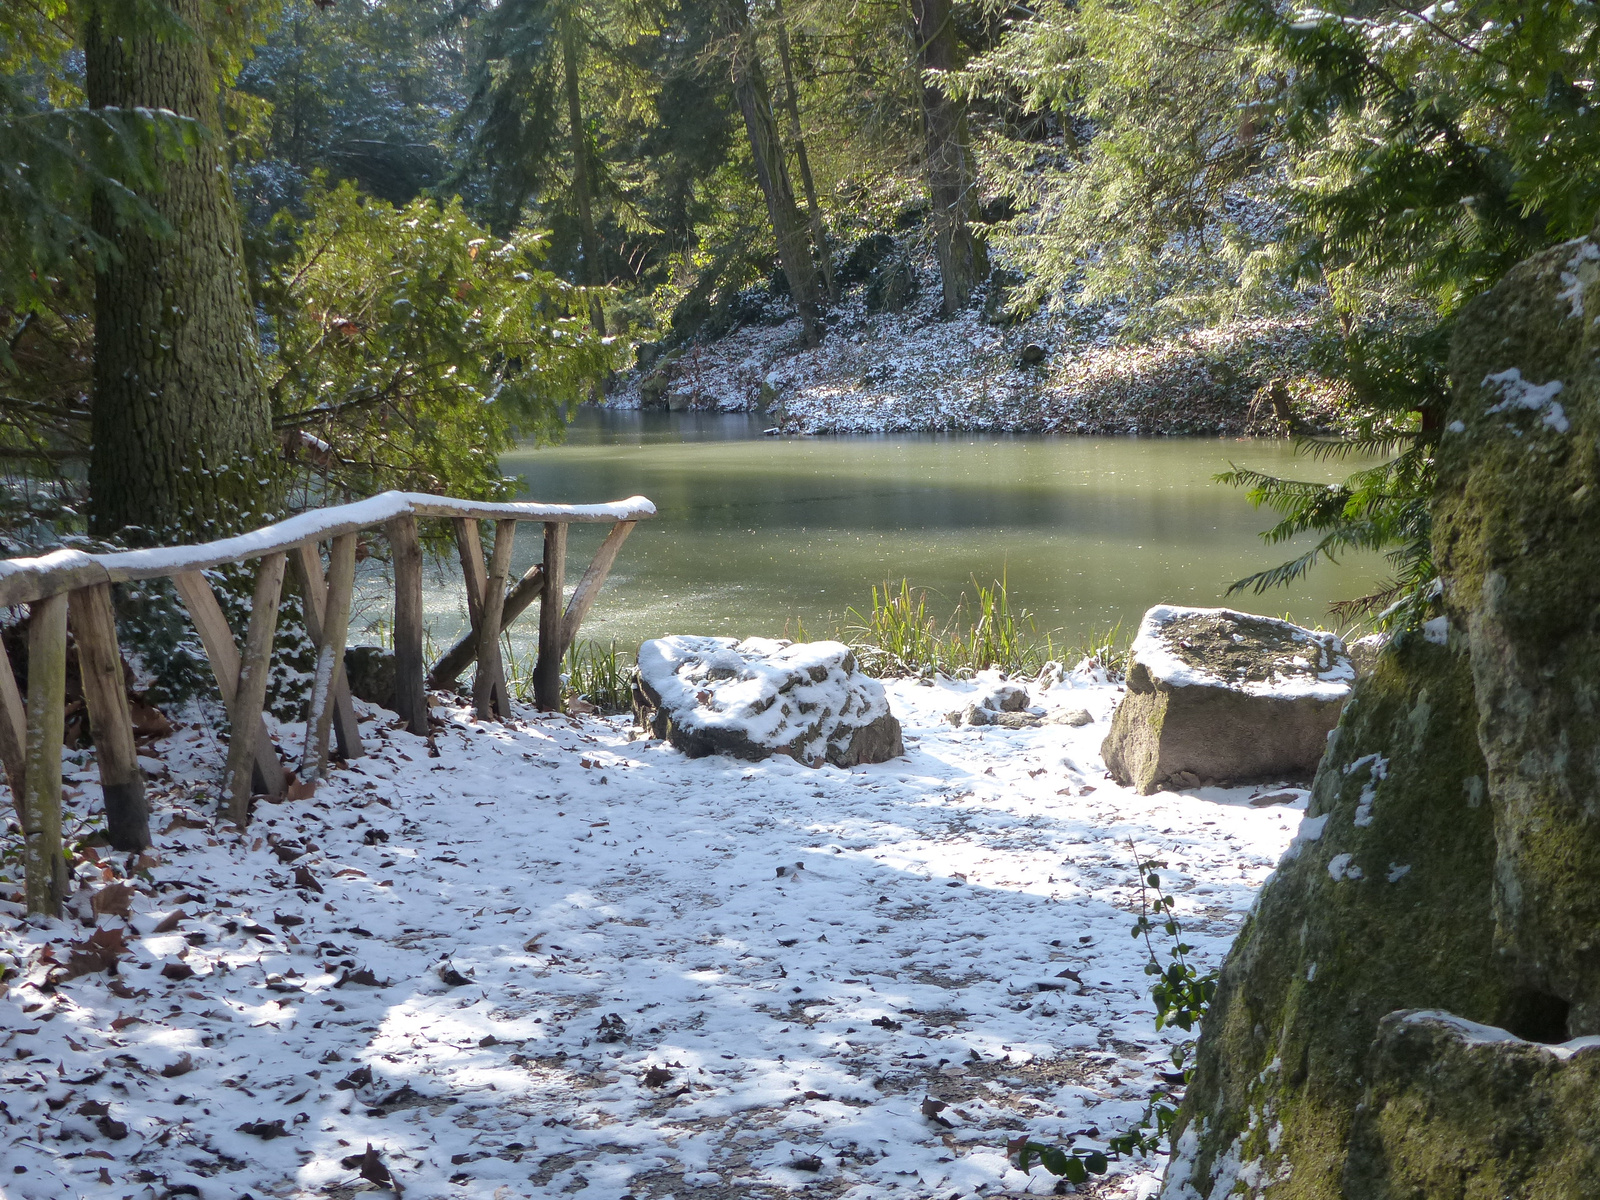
pixel 757 534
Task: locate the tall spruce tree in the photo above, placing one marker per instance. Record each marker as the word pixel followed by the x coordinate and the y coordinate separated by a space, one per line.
pixel 181 428
pixel 947 149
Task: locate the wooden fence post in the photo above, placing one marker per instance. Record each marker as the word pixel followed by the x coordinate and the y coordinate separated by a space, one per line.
pixel 308 575
pixel 105 693
pixel 489 684
pixel 410 690
pixel 330 657
pixel 255 666
pixel 44 865
pixel 13 731
pixel 547 672
pixel 206 614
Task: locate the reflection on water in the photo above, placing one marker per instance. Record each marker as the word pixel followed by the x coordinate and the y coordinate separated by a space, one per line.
pixel 755 532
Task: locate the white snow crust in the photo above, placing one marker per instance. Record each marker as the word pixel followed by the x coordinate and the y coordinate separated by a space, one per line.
pixel 1473 1033
pixel 1517 393
pixel 795 958
pixel 1152 649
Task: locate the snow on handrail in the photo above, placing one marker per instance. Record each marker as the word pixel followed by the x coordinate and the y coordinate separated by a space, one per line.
pixel 24 580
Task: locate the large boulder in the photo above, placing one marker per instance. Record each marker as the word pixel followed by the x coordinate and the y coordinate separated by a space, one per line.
pixel 1515 520
pixel 1452 845
pixel 1217 696
pixel 750 699
pixel 1382 903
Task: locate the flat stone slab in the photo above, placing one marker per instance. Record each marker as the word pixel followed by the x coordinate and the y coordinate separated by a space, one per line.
pixel 762 696
pixel 1220 697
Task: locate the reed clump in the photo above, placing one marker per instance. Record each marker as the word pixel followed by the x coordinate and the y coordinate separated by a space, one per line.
pixel 900 635
pixel 599 673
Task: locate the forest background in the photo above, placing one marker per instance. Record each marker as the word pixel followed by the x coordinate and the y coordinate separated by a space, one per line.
pixel 446 222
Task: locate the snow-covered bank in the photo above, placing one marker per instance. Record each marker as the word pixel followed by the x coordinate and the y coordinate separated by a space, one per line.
pixel 915 372
pixel 558 960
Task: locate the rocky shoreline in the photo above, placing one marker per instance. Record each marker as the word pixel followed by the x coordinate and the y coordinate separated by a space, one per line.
pixel 911 371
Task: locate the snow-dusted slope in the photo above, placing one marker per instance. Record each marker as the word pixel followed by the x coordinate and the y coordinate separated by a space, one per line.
pixel 612 971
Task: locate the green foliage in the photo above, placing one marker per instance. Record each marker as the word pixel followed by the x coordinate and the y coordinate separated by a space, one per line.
pixel 1431 152
pixel 55 153
pixel 414 348
pixel 1138 160
pixel 365 92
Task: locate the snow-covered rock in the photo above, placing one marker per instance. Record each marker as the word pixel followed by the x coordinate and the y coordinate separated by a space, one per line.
pixel 1217 696
pixel 761 696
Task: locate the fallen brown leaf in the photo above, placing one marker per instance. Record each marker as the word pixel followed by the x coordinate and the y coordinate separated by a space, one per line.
pixel 170 922
pixel 98 952
pixel 112 900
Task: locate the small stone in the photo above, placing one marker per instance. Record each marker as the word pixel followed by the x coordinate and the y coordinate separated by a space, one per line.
pixel 1032 354
pixel 1077 717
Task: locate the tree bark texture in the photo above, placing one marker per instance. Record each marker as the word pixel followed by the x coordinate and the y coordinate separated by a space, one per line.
pixel 963 258
pixel 582 187
pixel 766 149
pixel 182 443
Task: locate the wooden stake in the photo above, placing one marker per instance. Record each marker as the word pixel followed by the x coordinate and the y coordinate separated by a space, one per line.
pixel 308 576
pixel 460 656
pixel 13 730
pixel 410 692
pixel 547 672
pixel 217 638
pixel 44 865
pixel 588 589
pixel 330 656
pixel 250 695
pixel 105 693
pixel 489 685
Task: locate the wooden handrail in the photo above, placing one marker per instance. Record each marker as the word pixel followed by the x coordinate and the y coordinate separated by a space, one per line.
pixel 24 580
pixel 51 584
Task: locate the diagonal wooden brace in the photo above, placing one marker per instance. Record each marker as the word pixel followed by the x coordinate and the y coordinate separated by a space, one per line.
pixel 250 694
pixel 330 656
pixel 194 590
pixel 105 693
pixel 313 590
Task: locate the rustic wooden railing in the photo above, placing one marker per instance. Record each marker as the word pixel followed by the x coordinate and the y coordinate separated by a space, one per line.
pixel 72 587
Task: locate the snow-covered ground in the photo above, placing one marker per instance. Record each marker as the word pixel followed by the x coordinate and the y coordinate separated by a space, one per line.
pixel 557 960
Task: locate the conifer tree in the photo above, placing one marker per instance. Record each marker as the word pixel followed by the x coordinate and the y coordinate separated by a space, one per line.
pixel 182 439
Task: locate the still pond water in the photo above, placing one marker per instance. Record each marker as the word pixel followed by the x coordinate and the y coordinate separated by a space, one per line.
pixel 755 533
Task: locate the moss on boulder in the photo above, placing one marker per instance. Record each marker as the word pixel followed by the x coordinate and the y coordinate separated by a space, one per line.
pixel 1383 902
pixel 1515 531
pixel 1456 1111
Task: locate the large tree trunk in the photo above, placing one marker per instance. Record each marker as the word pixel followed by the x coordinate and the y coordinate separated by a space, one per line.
pixel 963 260
pixel 766 148
pixel 593 270
pixel 791 95
pixel 181 426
